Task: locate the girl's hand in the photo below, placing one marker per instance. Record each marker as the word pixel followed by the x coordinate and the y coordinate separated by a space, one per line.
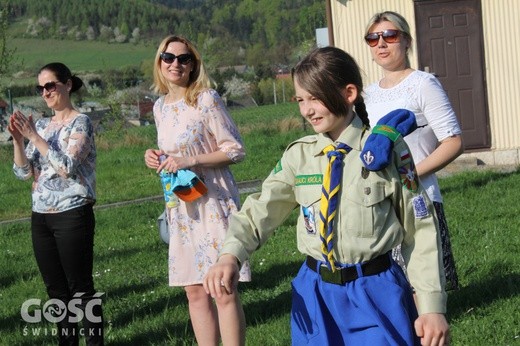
pixel 433 329
pixel 222 277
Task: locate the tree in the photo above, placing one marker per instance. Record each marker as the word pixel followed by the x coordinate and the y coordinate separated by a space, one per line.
pixel 6 54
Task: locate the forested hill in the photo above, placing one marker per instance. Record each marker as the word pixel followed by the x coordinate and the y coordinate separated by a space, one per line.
pixel 243 30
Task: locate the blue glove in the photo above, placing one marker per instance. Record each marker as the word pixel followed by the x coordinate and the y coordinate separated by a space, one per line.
pixel 377 152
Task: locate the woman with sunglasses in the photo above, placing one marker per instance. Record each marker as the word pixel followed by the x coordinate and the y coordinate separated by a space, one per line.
pixel 61 158
pixel 437 140
pixel 196 132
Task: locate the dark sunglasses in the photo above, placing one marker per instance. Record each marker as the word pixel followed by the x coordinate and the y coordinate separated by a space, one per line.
pixel 49 86
pixel 169 58
pixel 389 36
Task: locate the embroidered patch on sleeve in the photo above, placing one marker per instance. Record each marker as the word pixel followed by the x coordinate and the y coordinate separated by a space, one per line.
pixel 278 167
pixel 405 155
pixel 409 176
pixel 419 207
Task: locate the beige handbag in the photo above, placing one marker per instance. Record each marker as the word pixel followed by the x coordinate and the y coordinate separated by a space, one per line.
pixel 162 223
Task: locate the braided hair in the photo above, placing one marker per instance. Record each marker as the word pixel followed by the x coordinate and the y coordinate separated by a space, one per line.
pixel 361 110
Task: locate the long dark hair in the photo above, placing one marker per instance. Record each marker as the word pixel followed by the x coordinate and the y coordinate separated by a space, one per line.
pixel 324 72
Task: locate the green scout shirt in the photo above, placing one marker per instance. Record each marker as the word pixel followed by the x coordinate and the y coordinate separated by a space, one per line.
pixel 375 213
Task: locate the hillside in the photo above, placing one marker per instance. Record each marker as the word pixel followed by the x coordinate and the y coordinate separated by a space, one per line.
pixel 229 32
pixel 111 44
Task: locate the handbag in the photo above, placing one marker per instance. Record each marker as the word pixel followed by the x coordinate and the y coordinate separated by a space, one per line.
pixel 162 223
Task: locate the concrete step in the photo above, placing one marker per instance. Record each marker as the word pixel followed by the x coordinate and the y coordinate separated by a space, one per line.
pixel 470 163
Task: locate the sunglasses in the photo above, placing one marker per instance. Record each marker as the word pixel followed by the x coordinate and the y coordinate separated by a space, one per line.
pixel 389 36
pixel 169 58
pixel 49 86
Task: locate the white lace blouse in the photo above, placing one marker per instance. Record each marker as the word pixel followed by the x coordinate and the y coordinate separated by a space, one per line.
pixel 423 94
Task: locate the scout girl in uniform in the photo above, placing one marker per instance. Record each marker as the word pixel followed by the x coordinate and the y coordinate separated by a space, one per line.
pixel 349 290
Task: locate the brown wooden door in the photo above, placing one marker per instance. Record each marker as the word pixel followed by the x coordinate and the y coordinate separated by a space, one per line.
pixel 450 45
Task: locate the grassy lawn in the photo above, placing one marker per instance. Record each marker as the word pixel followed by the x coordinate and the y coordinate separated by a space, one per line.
pixel 81 55
pixel 131 260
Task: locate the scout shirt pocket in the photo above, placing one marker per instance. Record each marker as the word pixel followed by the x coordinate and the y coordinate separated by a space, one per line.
pixel 308 197
pixel 363 202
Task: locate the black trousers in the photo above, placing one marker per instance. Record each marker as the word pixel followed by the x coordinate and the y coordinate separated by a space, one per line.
pixel 63 245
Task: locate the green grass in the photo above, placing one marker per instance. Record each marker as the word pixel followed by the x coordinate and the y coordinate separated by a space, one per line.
pixel 131 261
pixel 81 55
pixel 483 219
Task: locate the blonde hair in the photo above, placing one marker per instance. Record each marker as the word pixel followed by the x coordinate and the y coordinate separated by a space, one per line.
pixel 199 79
pixel 398 21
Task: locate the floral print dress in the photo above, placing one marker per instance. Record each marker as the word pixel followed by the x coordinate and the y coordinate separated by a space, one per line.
pixel 198 228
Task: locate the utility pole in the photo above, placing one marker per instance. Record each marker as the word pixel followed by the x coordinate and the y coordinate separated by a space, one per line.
pixel 10 100
pixel 283 90
pixel 274 91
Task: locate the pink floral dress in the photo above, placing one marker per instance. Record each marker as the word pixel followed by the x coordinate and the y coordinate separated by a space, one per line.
pixel 197 229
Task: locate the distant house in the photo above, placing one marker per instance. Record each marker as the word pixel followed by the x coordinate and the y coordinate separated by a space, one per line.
pixel 283 76
pixel 3 107
pixel 467 45
pixel 240 69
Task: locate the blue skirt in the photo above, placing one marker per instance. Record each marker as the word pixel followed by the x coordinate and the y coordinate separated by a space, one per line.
pixel 371 310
